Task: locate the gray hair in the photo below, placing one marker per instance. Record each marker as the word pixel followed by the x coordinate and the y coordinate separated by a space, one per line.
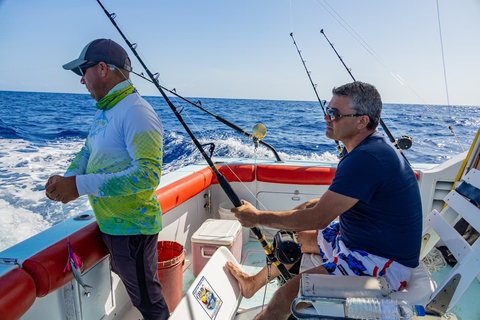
pixel 365 100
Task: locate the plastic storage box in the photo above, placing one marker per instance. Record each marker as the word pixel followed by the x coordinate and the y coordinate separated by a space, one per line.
pixel 211 235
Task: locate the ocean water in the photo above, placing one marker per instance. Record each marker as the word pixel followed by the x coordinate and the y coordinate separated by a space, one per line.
pixel 40 133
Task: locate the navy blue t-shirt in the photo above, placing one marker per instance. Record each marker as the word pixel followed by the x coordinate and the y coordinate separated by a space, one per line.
pixel 387 219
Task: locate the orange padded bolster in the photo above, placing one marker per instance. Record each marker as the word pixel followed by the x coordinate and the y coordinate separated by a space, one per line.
pixel 17 294
pixel 295 175
pixel 180 191
pixel 46 267
pixel 241 172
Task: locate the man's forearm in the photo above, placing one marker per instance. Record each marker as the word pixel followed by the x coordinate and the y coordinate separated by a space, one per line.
pixel 293 220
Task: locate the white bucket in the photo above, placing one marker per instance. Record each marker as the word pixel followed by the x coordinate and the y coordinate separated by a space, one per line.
pixel 226 214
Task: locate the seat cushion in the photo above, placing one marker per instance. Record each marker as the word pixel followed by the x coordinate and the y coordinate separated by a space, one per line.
pixel 418 291
pixel 309 261
pixel 420 287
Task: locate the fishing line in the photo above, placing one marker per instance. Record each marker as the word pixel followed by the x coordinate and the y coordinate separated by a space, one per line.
pixel 290 12
pixel 376 56
pixel 260 204
pixel 64 221
pixel 255 154
pixel 349 70
pixel 384 126
pixel 445 74
pixel 222 120
pixel 314 86
pixel 269 266
pixel 73 261
pixel 49 214
pixel 243 183
pixel 175 96
pixel 224 184
pixel 443 56
pixel 173 92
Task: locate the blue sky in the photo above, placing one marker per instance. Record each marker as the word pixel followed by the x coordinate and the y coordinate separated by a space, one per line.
pixel 242 49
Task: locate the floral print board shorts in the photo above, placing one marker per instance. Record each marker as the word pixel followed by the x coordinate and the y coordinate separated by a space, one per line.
pixel 340 260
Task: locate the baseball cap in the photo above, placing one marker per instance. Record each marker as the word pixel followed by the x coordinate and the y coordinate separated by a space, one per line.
pixel 105 50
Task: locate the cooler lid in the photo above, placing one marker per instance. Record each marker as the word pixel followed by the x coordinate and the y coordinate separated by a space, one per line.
pixel 215 231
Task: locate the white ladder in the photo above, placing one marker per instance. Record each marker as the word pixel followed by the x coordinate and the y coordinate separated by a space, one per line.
pixel 441 226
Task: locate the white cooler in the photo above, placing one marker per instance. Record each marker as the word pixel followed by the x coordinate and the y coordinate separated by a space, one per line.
pixel 211 235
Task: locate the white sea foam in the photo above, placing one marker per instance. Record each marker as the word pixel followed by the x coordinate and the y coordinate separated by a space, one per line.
pixel 18 224
pixel 24 170
pixel 234 147
pixel 231 147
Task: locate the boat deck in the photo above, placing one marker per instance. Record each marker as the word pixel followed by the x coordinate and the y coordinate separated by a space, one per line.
pixel 253 260
pixel 467 307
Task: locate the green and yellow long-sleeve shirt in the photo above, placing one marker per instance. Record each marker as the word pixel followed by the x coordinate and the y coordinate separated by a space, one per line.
pixel 119 167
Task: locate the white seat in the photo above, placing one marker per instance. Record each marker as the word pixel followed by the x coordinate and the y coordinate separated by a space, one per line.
pixel 419 288
pixel 418 291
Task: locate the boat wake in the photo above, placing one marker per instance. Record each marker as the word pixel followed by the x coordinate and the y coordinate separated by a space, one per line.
pixel 25 167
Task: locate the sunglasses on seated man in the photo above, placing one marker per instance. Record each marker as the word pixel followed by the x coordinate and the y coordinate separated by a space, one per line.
pixel 332 114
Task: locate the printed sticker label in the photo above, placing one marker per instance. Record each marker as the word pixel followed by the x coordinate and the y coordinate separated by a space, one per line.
pixel 208 298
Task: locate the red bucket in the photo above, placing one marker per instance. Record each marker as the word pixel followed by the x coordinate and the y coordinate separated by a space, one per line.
pixel 171 258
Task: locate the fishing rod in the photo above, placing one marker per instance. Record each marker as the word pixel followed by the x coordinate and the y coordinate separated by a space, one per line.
pixel 227 188
pixel 405 142
pixel 314 86
pixel 222 120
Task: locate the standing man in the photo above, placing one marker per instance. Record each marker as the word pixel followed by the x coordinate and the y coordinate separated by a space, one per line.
pixel 119 168
pixel 375 195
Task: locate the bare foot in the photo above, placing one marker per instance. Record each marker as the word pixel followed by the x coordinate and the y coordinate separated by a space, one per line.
pixel 246 282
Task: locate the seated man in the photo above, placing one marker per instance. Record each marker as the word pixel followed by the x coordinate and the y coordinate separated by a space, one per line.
pixel 374 194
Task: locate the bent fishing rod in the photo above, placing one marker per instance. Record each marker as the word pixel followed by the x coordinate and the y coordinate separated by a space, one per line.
pixel 222 120
pixel 314 86
pixel 227 188
pixel 406 141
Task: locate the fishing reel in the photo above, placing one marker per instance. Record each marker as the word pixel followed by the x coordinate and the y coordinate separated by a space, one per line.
pixel 259 132
pixel 286 248
pixel 405 142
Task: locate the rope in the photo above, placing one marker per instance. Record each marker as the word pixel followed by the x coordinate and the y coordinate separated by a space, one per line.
pixel 434 260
